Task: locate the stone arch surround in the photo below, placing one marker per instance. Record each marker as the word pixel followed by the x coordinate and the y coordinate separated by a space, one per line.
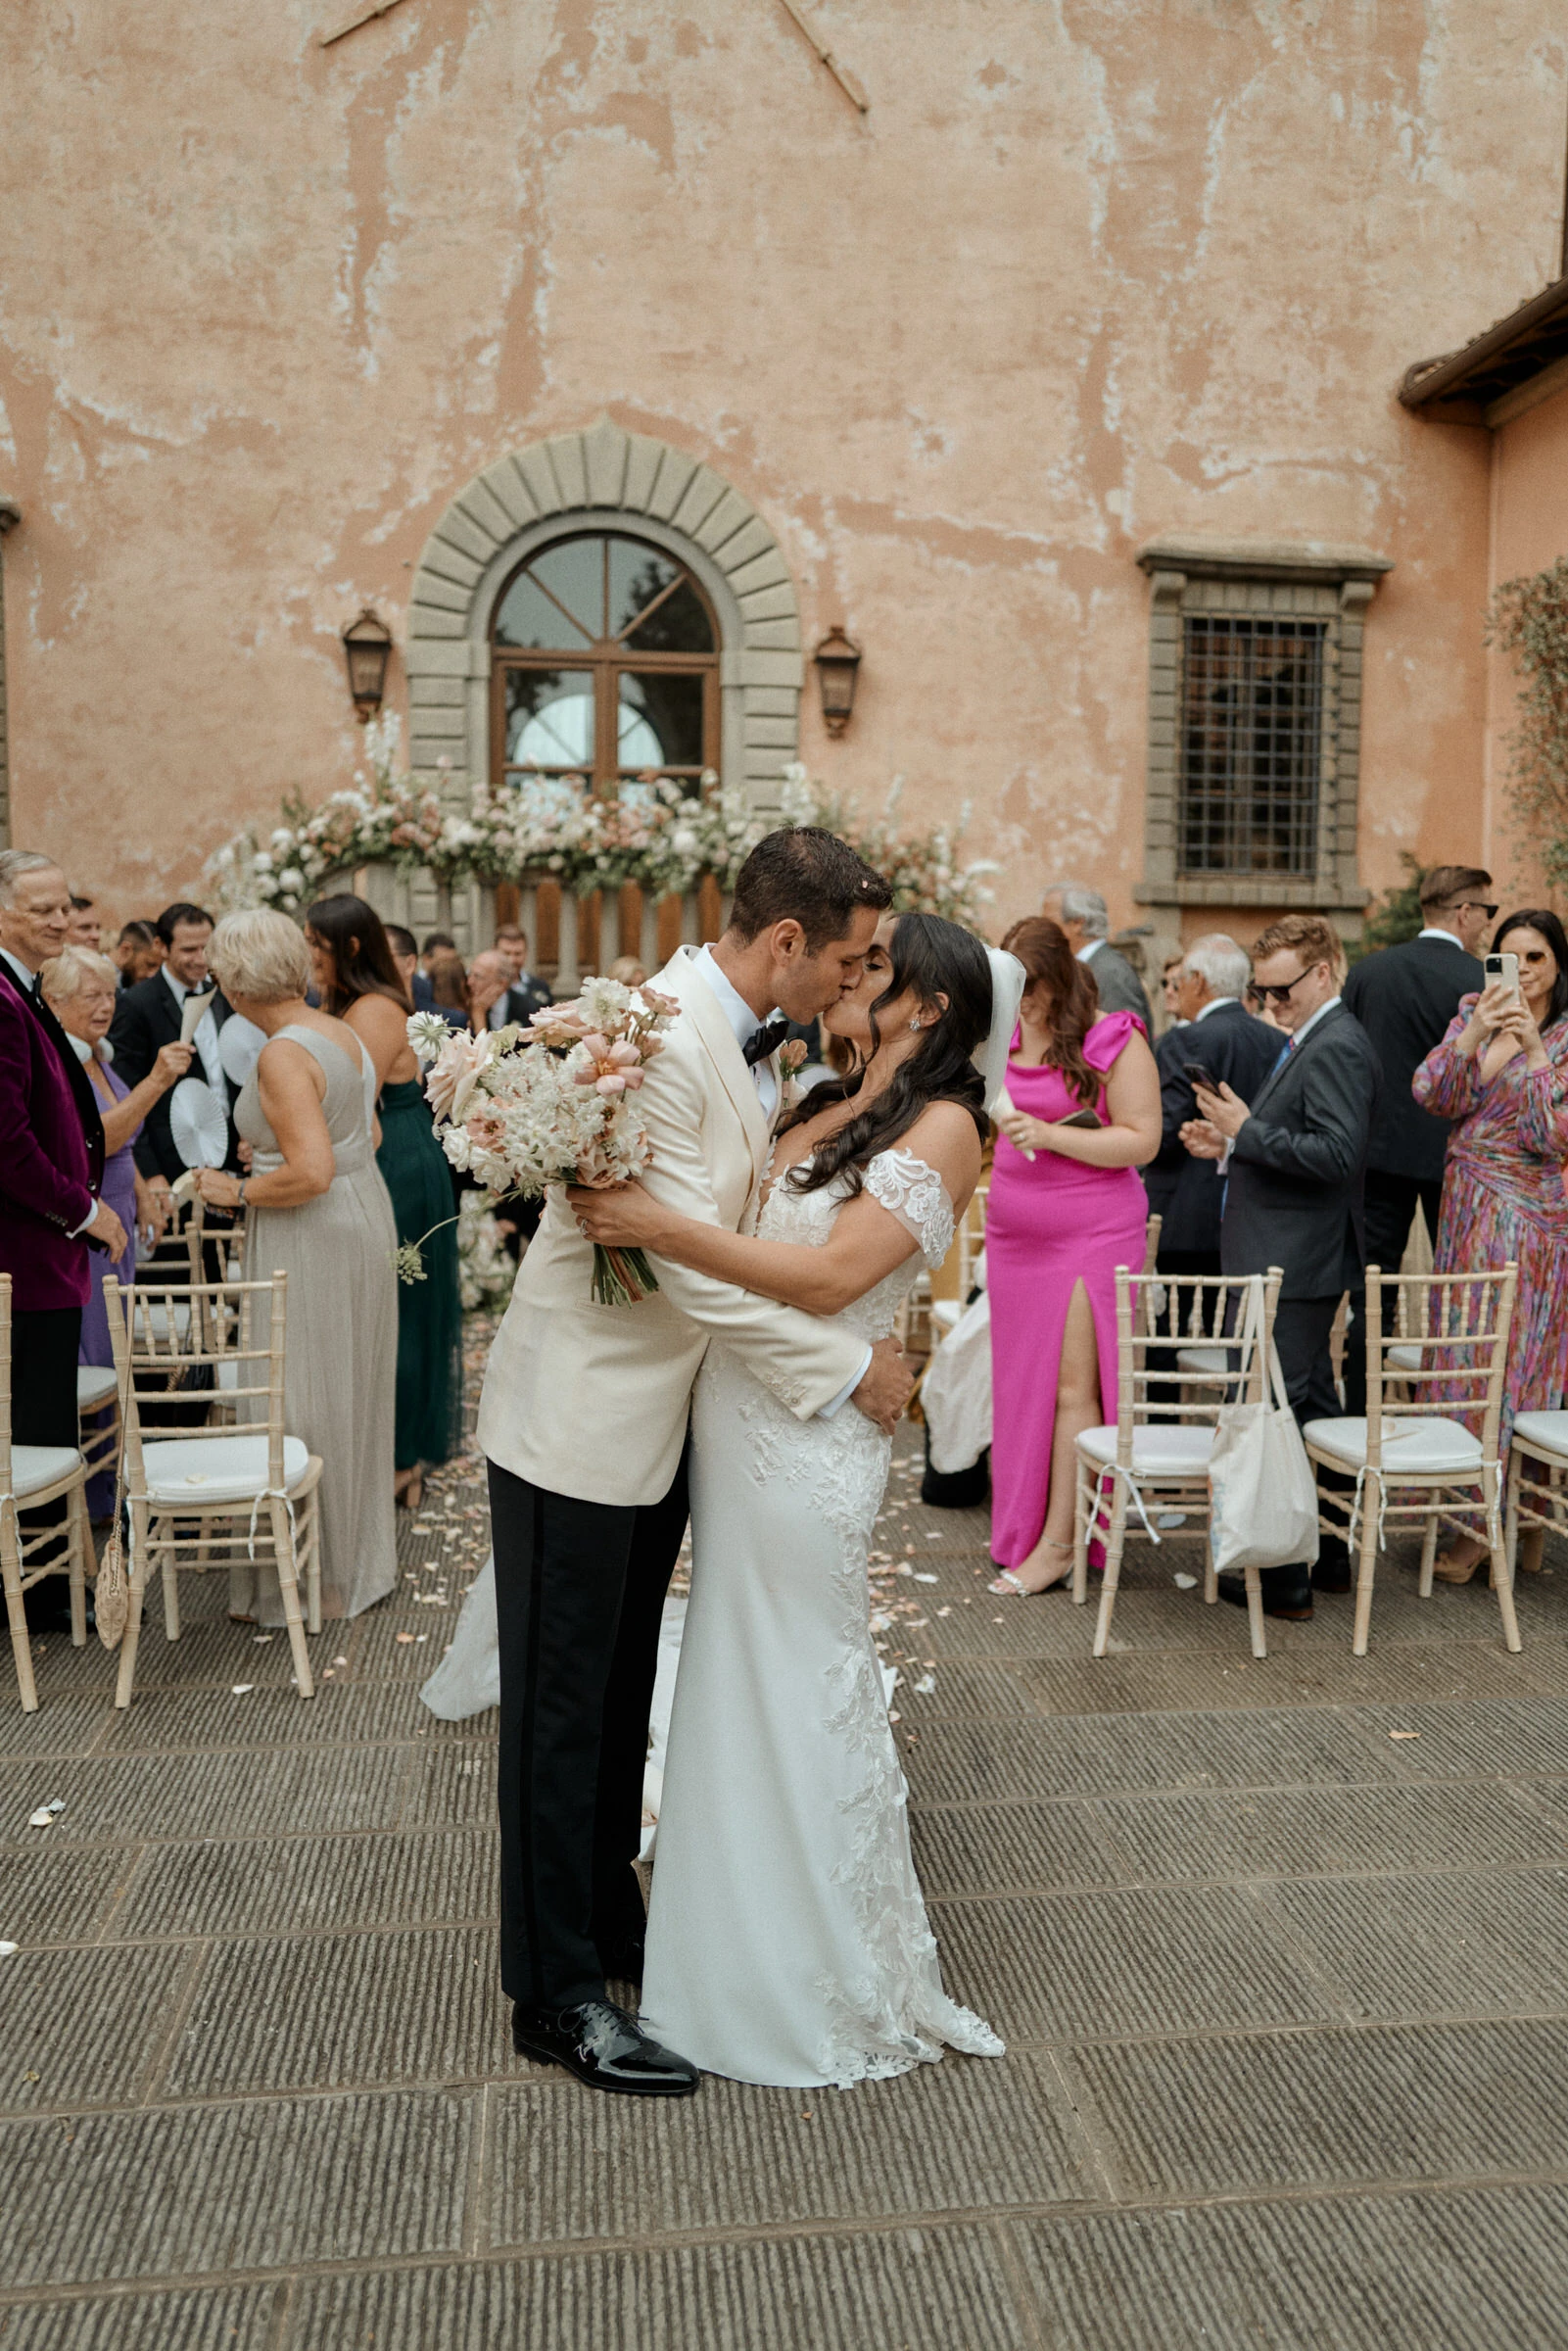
pixel 597 477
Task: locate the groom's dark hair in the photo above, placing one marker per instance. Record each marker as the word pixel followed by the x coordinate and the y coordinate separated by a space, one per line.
pixel 804 875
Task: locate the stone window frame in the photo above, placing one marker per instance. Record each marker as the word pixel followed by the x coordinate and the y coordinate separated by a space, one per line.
pixel 603 477
pixel 1265 579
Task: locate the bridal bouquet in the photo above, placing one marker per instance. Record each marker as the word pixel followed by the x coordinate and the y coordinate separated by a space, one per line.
pixel 521 1109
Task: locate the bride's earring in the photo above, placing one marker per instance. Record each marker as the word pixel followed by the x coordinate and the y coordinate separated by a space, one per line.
pixel 916 1024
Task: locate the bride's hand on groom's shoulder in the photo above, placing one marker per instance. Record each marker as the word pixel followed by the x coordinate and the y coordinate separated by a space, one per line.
pixel 623 1216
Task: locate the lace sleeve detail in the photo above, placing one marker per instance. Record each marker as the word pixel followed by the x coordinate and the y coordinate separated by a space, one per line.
pixel 911 1191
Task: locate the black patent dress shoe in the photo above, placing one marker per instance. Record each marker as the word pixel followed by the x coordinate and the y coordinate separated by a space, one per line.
pixel 1331 1574
pixel 604 2047
pixel 1287 1592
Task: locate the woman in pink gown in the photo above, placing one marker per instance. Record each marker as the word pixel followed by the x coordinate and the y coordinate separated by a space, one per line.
pixel 1058 1224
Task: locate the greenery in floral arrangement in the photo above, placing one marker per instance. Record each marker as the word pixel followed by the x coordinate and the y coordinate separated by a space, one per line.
pixel 1528 619
pixel 659 834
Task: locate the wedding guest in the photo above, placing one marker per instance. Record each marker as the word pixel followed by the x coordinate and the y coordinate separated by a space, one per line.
pixel 405 955
pixel 356 974
pixel 1404 998
pixel 149 1016
pixel 1293 1154
pixel 319 1211
pixel 1169 972
pixel 1218 1034
pixel 139 953
pixel 1081 913
pixel 1500 1074
pixel 78 986
pixel 449 987
pixel 86 924
pixel 1059 1223
pixel 51 1165
pixel 628 971
pixel 436 942
pixel 525 994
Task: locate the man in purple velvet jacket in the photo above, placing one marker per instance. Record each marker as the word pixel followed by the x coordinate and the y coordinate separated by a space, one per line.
pixel 51 1165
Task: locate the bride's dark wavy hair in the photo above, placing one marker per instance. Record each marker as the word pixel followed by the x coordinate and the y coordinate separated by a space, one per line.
pixel 931 958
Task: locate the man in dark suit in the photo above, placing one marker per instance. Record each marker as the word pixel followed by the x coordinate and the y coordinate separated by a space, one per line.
pixel 405 955
pixel 1294 1162
pixel 1082 914
pixel 1220 1036
pixel 149 1014
pixel 526 994
pixel 1404 998
pixel 51 1165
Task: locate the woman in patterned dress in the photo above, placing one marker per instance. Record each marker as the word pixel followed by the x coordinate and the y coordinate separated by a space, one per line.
pixel 1501 1075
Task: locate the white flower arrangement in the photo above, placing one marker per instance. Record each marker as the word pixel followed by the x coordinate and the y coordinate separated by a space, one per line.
pixel 658 835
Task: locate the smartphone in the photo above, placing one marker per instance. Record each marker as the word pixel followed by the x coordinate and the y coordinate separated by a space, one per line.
pixel 1202 1075
pixel 1503 967
pixel 1079 1118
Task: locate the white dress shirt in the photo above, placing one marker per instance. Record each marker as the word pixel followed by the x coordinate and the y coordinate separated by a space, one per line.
pixel 204 1041
pixel 1090 950
pixel 745 1024
pixel 1213 1005
pixel 1433 930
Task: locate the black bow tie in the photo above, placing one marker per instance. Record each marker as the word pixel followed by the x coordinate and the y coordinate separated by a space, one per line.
pixel 765 1040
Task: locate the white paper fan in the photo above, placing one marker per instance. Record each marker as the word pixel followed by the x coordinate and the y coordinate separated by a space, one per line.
pixel 197 1122
pixel 239 1047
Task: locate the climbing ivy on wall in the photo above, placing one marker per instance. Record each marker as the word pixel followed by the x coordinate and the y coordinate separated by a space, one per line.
pixel 1529 620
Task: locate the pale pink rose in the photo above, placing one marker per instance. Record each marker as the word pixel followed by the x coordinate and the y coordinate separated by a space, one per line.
pixel 487 1128
pixel 555 1025
pixel 658 1002
pixel 456 1072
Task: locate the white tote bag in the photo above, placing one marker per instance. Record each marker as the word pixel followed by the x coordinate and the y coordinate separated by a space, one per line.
pixel 1262 1494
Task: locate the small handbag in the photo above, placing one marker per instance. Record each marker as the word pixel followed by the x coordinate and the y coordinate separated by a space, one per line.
pixel 1262 1494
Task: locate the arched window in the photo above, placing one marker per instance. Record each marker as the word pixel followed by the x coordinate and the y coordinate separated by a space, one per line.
pixel 605 664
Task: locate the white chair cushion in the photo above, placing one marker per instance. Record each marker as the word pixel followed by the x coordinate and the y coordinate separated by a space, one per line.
pixel 153 1316
pixel 1419 1445
pixel 95 1385
pixel 219 1468
pixel 1213 1362
pixel 1159 1448
pixel 1407 1357
pixel 1549 1430
pixel 35 1467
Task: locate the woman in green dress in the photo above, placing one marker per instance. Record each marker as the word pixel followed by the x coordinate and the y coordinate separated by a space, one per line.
pixel 359 983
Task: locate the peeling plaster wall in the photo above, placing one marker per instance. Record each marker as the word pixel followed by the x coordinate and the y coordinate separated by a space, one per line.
pixel 1085 274
pixel 1529 531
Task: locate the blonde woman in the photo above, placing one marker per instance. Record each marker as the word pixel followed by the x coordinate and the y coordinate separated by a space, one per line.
pixel 317 1210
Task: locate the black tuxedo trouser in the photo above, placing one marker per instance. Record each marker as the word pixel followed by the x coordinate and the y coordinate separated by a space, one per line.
pixel 1303 1328
pixel 1391 1206
pixel 580 1589
pixel 44 1343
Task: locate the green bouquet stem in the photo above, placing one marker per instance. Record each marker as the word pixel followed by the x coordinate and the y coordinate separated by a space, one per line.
pixel 620 1277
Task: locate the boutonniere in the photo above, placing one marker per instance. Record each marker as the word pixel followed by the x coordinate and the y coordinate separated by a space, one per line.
pixel 791 1057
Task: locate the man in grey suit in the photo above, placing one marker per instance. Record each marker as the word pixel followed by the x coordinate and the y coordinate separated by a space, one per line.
pixel 1081 913
pixel 1294 1162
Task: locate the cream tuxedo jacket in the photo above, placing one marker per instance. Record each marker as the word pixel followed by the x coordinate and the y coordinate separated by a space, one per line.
pixel 592 1401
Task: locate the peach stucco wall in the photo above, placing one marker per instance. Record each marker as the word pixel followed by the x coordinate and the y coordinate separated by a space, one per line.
pixel 1084 273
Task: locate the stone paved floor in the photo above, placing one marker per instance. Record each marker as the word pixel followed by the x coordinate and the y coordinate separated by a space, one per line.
pixel 1278 1949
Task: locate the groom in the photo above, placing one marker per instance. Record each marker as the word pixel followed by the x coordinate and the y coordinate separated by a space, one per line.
pixel 584 1425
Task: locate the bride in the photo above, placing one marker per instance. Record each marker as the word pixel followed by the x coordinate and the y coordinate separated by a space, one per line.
pixel 788 1941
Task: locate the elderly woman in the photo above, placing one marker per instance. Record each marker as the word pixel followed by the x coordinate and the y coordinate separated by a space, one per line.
pixel 79 988
pixel 319 1211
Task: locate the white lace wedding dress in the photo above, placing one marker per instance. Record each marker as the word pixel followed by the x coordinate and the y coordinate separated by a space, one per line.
pixel 788 1941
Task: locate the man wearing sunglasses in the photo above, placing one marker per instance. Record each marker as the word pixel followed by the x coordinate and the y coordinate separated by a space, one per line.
pixel 1404 998
pixel 1294 1160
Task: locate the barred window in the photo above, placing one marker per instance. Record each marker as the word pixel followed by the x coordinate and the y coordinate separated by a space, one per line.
pixel 1251 760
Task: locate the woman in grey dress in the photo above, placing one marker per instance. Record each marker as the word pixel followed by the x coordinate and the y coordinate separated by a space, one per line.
pixel 317 1210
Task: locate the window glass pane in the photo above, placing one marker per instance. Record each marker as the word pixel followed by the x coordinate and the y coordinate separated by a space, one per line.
pixel 680 625
pixel 1251 743
pixel 549 718
pixel 529 620
pixel 575 573
pixel 659 722
pixel 638 573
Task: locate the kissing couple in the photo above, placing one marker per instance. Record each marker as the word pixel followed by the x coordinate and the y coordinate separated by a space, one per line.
pixel 755 1391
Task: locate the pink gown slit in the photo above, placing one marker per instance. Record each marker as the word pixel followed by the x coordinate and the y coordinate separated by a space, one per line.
pixel 1050 1224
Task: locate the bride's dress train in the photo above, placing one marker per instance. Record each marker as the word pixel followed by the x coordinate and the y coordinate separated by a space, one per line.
pixel 788 1940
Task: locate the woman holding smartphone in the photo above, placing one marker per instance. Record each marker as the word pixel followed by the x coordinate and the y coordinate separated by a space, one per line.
pixel 1501 1073
pixel 1081 1113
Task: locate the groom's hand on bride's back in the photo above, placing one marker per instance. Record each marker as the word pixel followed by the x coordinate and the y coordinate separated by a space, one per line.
pixel 884 1391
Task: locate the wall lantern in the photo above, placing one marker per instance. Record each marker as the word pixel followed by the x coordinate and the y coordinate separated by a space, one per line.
pixel 837 662
pixel 368 644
